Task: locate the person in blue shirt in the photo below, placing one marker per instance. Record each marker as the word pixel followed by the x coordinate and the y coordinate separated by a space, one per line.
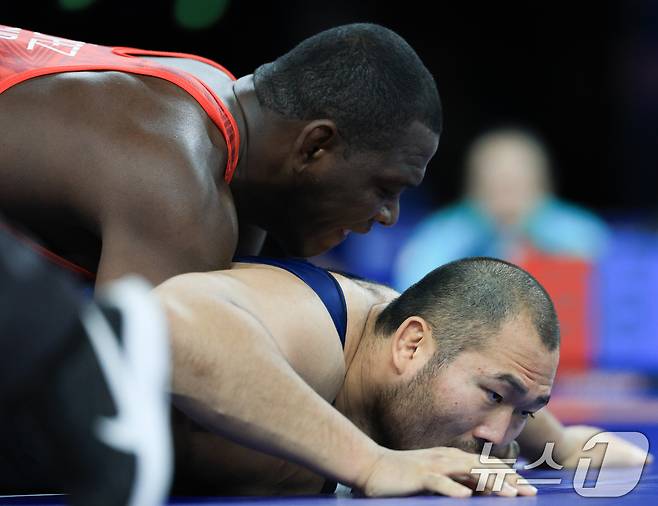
pixel 508 208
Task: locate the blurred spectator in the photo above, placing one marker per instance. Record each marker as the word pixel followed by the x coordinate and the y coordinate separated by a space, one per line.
pixel 508 210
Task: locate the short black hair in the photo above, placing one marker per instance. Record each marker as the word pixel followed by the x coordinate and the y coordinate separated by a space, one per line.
pixel 363 76
pixel 467 300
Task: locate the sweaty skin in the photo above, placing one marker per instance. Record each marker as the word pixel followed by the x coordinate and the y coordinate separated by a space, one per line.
pixel 206 460
pixel 118 172
pixel 257 363
pixel 122 173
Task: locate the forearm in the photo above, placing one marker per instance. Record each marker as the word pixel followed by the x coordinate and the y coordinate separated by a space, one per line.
pixel 538 431
pixel 241 387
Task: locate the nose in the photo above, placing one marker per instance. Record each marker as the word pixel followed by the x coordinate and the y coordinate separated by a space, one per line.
pixel 497 428
pixel 389 213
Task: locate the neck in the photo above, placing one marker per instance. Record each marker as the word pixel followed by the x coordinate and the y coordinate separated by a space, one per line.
pixel 357 397
pixel 262 153
pixel 245 115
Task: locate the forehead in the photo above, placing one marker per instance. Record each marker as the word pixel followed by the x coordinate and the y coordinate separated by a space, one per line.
pixel 418 140
pixel 406 161
pixel 514 349
pixel 517 347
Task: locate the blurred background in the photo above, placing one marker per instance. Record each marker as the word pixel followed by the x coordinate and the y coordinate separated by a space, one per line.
pixel 548 156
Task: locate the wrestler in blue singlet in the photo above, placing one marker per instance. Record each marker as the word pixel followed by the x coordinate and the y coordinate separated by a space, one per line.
pixel 330 293
pixel 319 280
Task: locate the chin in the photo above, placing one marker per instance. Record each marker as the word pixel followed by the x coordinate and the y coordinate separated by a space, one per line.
pixel 315 249
pixel 301 249
pixel 310 244
pixel 316 246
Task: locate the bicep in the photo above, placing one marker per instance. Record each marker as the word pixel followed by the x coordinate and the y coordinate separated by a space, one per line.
pixel 215 344
pixel 126 253
pixel 160 236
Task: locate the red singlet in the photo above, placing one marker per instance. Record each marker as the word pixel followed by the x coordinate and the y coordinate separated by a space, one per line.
pixel 25 54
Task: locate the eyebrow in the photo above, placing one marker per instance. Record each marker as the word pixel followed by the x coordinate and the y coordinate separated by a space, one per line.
pixel 519 387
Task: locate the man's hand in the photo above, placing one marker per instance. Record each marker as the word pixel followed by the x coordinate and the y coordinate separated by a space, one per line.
pixel 618 452
pixel 447 471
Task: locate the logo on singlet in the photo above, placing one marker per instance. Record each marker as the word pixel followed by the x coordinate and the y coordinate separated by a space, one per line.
pixel 38 40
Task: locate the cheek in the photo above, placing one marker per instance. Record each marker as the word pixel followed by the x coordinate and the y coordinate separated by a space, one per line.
pixel 363 200
pixel 338 203
pixel 466 414
pixel 448 407
pixel 462 407
pixel 458 395
pixel 517 427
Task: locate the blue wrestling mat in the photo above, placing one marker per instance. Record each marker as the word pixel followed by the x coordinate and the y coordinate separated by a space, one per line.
pixel 644 494
pixel 628 407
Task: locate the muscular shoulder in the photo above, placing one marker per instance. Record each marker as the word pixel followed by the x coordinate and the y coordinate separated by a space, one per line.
pixel 98 132
pixel 111 115
pixel 290 312
pixel 362 295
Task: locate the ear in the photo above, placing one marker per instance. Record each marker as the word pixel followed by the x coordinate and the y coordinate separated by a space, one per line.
pixel 315 140
pixel 412 346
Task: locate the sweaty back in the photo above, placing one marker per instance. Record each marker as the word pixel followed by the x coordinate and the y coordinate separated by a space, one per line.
pixel 319 280
pixel 25 55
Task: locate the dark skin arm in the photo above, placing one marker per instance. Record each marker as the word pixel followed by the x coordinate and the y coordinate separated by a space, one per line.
pixel 133 161
pixel 162 238
pixel 169 218
pixel 166 209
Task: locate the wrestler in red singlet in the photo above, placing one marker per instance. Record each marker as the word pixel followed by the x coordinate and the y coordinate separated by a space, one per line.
pixel 25 54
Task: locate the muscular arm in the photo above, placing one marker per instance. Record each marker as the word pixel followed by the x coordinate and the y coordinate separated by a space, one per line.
pixel 571 439
pixel 230 375
pixel 166 222
pixel 137 160
pixel 537 432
